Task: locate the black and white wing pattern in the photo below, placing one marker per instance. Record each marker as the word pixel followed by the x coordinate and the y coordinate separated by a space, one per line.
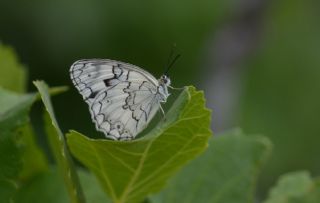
pixel 122 98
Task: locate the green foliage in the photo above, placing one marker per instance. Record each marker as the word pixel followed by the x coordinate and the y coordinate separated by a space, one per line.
pixel 58 146
pixel 14 110
pixel 226 172
pixel 20 158
pixel 13 74
pixel 92 189
pixel 46 187
pixel 297 187
pixel 53 189
pixel 129 171
pixel 10 162
pixel 32 157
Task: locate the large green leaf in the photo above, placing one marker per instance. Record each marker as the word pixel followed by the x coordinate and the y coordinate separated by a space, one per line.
pixel 15 131
pixel 20 154
pixel 14 110
pixel 296 187
pixel 58 146
pixel 16 134
pixel 129 171
pixel 12 74
pixel 225 173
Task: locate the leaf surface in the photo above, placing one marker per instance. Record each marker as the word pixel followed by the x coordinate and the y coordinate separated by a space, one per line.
pixel 33 158
pixel 14 110
pixel 129 171
pixel 53 189
pixel 58 146
pixel 226 172
pixel 295 187
pixel 13 75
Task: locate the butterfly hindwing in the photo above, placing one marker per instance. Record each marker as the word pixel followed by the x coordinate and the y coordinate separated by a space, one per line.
pixel 122 98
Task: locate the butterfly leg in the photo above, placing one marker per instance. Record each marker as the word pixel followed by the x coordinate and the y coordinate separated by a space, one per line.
pixel 175 88
pixel 162 111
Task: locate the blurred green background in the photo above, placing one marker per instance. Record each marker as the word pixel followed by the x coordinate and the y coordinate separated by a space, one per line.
pixel 257 60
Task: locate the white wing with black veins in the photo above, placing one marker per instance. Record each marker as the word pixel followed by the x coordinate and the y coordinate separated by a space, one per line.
pixel 122 98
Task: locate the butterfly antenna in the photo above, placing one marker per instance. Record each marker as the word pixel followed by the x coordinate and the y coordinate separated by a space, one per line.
pixel 170 55
pixel 171 64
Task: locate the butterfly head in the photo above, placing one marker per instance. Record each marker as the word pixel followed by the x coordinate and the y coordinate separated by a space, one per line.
pixel 165 80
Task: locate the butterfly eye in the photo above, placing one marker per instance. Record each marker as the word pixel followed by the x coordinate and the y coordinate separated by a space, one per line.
pixel 164 79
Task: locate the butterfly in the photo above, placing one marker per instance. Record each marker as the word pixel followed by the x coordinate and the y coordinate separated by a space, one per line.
pixel 122 98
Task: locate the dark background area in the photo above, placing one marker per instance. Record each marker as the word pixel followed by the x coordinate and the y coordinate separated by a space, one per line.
pixel 257 61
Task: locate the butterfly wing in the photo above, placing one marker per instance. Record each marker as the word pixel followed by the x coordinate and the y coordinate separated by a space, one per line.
pixel 122 98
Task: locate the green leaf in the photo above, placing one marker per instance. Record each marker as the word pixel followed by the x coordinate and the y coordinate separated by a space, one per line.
pixel 296 187
pixel 14 110
pixel 226 172
pixel 33 158
pixel 53 190
pixel 58 146
pixel 129 171
pixel 20 157
pixel 17 136
pixel 12 74
pixel 47 187
pixel 93 191
pixel 10 157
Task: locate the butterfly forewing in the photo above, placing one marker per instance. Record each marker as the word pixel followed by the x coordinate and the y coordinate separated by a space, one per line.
pixel 122 98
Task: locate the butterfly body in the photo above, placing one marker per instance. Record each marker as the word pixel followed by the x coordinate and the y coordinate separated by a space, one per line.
pixel 122 98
